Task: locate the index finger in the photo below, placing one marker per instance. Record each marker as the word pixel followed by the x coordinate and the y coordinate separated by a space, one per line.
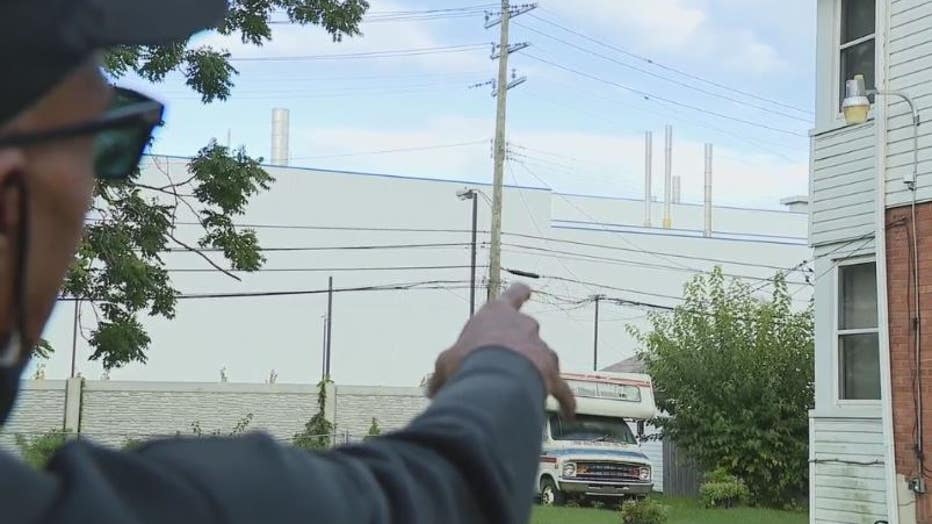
pixel 516 295
pixel 564 395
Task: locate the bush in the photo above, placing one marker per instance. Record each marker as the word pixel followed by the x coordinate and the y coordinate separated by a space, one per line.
pixel 723 490
pixel 374 429
pixel 317 431
pixel 39 450
pixel 733 372
pixel 647 511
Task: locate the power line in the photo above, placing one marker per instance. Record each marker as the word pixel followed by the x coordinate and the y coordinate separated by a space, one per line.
pixel 584 213
pixel 671 69
pixel 663 253
pixel 768 110
pixel 455 231
pixel 406 286
pixel 618 261
pixel 323 269
pixel 766 146
pixel 389 53
pixel 650 96
pixel 398 150
pixel 364 247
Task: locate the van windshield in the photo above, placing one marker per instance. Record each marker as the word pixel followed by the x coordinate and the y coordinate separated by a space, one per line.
pixel 592 428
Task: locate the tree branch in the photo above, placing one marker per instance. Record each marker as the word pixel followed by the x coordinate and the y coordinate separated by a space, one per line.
pixel 205 257
pixel 162 190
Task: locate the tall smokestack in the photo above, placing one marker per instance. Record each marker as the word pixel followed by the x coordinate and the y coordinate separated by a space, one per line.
pixel 707 200
pixel 677 187
pixel 280 132
pixel 668 179
pixel 648 168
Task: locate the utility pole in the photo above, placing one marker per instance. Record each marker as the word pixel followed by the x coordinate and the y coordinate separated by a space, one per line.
pixel 472 194
pixel 74 335
pixel 500 89
pixel 329 329
pixel 595 337
pixel 323 349
pixel 472 265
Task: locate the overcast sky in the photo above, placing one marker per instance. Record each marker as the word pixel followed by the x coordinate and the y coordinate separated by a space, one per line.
pixel 579 129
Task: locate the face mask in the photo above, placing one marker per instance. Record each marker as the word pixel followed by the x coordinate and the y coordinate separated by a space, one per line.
pixel 14 354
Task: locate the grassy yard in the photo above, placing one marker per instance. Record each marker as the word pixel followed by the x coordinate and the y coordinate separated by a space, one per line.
pixel 683 511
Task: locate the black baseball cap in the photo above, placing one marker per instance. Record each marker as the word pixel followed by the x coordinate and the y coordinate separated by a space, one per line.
pixel 42 41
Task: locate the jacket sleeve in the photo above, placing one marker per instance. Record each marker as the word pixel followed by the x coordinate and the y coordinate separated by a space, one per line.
pixel 472 456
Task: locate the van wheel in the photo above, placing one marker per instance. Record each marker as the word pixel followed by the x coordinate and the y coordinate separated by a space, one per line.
pixel 549 494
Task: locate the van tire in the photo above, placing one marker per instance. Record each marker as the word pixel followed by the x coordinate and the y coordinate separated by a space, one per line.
pixel 549 494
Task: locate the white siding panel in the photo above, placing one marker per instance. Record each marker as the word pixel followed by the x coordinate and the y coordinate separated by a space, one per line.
pixel 846 491
pixel 910 64
pixel 843 168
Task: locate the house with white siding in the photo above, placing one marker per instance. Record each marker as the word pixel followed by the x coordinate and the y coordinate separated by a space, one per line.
pixel 871 231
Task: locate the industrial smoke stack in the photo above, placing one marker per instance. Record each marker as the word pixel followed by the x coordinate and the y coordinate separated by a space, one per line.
pixel 677 186
pixel 668 179
pixel 648 166
pixel 280 137
pixel 707 200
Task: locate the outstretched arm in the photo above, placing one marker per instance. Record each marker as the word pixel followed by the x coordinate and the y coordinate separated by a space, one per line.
pixel 471 457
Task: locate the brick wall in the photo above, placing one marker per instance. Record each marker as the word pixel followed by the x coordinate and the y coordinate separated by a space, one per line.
pixel 902 342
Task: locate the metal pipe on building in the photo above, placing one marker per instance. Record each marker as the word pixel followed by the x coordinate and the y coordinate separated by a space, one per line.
pixel 677 187
pixel 707 199
pixel 280 132
pixel 648 168
pixel 668 178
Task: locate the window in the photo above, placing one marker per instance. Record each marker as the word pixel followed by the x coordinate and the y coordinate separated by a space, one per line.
pixel 605 390
pixel 592 428
pixel 856 43
pixel 858 345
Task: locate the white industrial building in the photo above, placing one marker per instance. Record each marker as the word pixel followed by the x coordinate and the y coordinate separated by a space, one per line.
pixel 407 230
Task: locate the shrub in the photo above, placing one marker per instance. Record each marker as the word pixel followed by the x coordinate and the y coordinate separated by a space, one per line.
pixel 733 372
pixel 723 490
pixel 39 450
pixel 238 429
pixel 317 431
pixel 646 511
pixel 133 444
pixel 374 429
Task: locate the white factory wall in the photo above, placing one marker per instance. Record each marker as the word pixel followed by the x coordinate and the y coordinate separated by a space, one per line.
pixel 392 337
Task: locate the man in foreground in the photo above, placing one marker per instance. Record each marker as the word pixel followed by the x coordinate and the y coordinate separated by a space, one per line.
pixel 471 457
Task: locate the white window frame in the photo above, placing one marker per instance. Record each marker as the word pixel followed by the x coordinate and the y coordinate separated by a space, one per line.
pixel 837 48
pixel 837 333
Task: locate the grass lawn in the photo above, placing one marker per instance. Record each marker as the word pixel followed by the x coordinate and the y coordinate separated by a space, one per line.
pixel 683 511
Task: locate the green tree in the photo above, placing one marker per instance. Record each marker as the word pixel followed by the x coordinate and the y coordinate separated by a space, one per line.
pixel 38 451
pixel 119 267
pixel 734 376
pixel 318 430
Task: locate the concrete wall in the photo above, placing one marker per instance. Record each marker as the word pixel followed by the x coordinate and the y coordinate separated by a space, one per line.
pixel 112 412
pixel 393 408
pixel 40 408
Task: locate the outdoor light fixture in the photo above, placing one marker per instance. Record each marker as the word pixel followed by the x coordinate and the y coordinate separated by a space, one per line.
pixel 856 108
pixel 856 105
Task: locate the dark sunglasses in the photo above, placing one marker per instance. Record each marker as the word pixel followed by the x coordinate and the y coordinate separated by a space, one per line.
pixel 122 134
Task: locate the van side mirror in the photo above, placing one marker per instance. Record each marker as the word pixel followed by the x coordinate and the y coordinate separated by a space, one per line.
pixel 640 430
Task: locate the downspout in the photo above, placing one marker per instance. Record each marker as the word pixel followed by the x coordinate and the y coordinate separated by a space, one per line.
pixel 880 241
